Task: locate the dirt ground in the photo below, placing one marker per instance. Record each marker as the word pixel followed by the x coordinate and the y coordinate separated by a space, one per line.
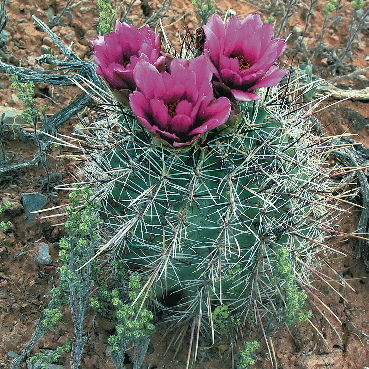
pixel 338 335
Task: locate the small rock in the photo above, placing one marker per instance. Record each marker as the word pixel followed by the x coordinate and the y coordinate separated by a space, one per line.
pixel 33 202
pixel 4 37
pixel 43 256
pixel 12 354
pixel 12 119
pixel 69 36
pixel 50 13
pixel 45 49
pixel 354 119
pixel 14 99
pixel 297 30
pixel 47 41
pixel 85 9
pixel 31 60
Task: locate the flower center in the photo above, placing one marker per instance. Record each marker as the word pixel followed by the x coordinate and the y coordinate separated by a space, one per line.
pixel 244 64
pixel 126 60
pixel 172 108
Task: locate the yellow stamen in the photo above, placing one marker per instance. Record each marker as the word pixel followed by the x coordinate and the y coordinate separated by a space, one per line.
pixel 172 108
pixel 243 63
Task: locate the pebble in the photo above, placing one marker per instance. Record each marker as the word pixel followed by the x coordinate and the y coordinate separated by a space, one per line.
pixel 48 41
pixel 85 9
pixel 45 49
pixel 50 13
pixel 12 120
pixel 33 201
pixel 31 60
pixel 4 37
pixel 69 36
pixel 12 354
pixel 14 99
pixel 11 116
pixel 297 30
pixel 357 121
pixel 43 256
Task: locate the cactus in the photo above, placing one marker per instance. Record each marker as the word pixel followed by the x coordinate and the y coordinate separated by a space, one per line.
pixel 221 219
pixel 215 200
pixel 233 220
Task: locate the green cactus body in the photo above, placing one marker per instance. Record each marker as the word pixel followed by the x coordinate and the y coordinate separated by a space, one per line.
pixel 209 221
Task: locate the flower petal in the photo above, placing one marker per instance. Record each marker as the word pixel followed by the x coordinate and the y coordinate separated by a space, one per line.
pixel 214 115
pixel 148 79
pixel 184 107
pixel 231 78
pixel 272 78
pixel 180 123
pixel 214 30
pixel 140 106
pixel 159 113
pixel 244 96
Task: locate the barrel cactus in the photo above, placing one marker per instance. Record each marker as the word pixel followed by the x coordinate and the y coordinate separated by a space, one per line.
pixel 216 196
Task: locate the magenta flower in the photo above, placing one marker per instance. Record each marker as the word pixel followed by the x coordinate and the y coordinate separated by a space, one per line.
pixel 244 54
pixel 117 54
pixel 178 106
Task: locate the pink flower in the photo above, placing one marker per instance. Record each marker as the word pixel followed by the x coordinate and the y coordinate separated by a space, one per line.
pixel 178 106
pixel 117 54
pixel 244 54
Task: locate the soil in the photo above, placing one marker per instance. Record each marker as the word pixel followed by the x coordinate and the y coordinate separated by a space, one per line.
pixel 338 335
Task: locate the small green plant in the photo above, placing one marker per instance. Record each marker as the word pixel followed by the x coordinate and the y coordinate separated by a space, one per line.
pixel 75 283
pixel 357 4
pixel 357 22
pixel 51 318
pixel 5 206
pixel 246 355
pixel 25 93
pixel 76 249
pixel 106 16
pixel 124 305
pixel 269 19
pixel 42 359
pixel 134 320
pixel 223 321
pixel 330 7
pixel 204 9
pixel 293 297
pixel 32 116
pixel 8 225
